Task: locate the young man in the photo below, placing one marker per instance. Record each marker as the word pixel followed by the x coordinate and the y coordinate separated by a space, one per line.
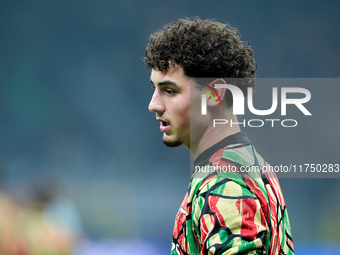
pixel 223 212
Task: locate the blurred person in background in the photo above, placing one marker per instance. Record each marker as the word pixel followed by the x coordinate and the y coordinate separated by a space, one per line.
pixel 39 224
pixel 222 213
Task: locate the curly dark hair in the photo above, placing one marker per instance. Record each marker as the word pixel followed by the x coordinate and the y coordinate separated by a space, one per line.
pixel 204 48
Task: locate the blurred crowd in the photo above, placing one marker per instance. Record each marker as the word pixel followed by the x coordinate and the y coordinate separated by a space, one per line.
pixel 40 224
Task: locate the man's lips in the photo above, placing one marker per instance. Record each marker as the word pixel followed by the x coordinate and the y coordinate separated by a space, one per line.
pixel 164 125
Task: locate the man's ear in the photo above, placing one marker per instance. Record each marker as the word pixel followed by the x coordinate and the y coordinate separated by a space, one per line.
pixel 218 94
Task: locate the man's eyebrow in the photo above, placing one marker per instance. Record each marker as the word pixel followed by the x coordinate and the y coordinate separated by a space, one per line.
pixel 165 83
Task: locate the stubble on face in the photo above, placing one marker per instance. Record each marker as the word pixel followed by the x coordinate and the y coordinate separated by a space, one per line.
pixel 172 108
pixel 174 143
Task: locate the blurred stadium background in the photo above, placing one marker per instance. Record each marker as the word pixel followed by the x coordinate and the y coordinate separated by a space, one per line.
pixel 74 123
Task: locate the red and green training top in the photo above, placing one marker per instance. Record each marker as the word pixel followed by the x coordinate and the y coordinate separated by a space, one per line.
pixel 232 212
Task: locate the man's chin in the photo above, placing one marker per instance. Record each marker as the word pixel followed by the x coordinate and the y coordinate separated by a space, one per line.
pixel 174 143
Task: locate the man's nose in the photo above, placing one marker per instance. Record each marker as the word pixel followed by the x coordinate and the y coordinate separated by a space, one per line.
pixel 156 104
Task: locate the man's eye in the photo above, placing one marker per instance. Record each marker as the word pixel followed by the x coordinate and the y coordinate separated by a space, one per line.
pixel 170 91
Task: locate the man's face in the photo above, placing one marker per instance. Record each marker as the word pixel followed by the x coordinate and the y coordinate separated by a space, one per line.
pixel 171 103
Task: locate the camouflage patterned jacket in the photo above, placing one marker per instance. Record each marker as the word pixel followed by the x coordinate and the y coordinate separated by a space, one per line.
pixel 229 209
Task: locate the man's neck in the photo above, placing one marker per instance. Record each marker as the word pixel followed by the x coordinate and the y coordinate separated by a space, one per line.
pixel 213 135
